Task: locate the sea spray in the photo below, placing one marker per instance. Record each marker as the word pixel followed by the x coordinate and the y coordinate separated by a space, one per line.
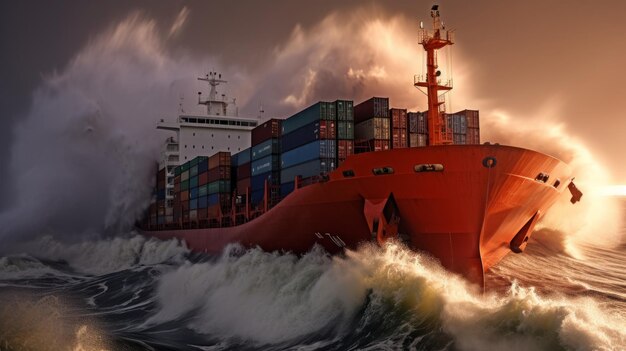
pixel 269 298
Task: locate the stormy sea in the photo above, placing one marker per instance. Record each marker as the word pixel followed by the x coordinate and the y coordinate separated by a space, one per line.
pixel 129 292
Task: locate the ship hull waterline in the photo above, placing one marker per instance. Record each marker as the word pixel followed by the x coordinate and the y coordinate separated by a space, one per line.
pixel 465 214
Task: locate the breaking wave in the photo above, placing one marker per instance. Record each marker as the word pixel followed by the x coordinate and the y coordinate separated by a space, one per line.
pixel 391 293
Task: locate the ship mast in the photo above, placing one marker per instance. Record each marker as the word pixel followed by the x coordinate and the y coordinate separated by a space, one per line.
pixel 438 131
pixel 213 105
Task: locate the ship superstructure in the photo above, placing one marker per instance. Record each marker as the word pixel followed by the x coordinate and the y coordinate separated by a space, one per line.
pixel 219 130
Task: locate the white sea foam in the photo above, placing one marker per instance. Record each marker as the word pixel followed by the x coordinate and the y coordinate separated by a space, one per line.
pixel 271 298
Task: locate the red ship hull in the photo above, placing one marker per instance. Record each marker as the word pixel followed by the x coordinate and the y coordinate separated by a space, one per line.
pixel 480 205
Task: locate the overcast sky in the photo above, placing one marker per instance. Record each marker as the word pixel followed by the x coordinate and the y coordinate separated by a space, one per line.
pixel 559 61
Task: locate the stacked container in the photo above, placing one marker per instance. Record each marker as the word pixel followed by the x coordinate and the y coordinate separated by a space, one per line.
pixel 265 157
pixel 373 127
pixel 345 129
pixel 460 123
pixel 418 129
pixel 202 188
pixel 243 172
pixel 398 128
pixel 309 143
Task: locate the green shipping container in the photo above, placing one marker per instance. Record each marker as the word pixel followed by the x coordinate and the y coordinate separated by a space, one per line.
pixel 177 171
pixel 193 182
pixel 193 171
pixel 203 190
pixel 184 185
pixel 219 186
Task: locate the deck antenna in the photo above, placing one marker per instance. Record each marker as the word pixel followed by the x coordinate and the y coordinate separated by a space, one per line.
pixel 433 40
pixel 261 111
pixel 214 106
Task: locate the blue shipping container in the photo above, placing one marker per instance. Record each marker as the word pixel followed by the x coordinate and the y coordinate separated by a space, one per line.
pixel 309 169
pixel 315 150
pixel 300 136
pixel 203 166
pixel 256 197
pixel 193 193
pixel 266 164
pixel 193 204
pixel 286 188
pixel 317 111
pixel 203 202
pixel 258 181
pixel 243 157
pixel 266 148
pixel 213 199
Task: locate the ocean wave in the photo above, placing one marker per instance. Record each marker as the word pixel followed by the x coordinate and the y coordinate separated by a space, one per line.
pixel 104 256
pixel 391 293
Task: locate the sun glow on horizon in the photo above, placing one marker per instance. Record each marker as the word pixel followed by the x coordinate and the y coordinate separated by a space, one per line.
pixel 613 190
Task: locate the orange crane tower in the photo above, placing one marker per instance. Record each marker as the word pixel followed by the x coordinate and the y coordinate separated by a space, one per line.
pixel 438 131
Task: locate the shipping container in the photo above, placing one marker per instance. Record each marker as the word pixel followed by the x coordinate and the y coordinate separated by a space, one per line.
pixel 219 186
pixel 193 171
pixel 222 172
pixel 203 178
pixel 176 188
pixel 243 157
pixel 315 150
pixel 184 196
pixel 203 190
pixel 373 107
pixel 266 148
pixel 242 185
pixel 219 199
pixel 193 204
pixel 268 130
pixel 266 164
pixel 244 171
pixel 345 130
pixel 374 128
pixel 418 140
pixel 203 166
pixel 286 188
pixel 345 148
pixel 398 118
pixel 193 182
pixel 193 214
pixel 219 159
pixel 371 145
pixel 193 193
pixel 184 185
pixel 184 176
pixel 308 169
pixel 258 181
pixel 203 202
pixel 317 130
pixel 345 110
pixel 319 111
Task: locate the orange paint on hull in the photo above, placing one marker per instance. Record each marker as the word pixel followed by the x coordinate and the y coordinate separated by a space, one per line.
pixel 465 215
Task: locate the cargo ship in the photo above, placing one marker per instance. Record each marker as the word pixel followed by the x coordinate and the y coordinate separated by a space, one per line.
pixel 338 175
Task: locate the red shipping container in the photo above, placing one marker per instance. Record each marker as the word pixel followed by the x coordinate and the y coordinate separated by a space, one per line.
pixel 202 213
pixel 328 129
pixel 218 173
pixel 242 185
pixel 265 131
pixel 373 107
pixel 177 179
pixel 203 178
pixel 219 159
pixel 244 171
pixel 184 196
pixel 184 206
pixel 176 188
